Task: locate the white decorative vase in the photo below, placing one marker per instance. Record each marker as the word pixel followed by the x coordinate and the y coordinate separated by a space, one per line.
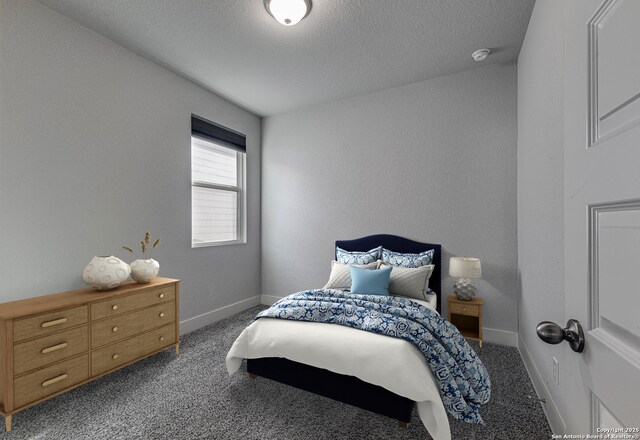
pixel 144 271
pixel 106 273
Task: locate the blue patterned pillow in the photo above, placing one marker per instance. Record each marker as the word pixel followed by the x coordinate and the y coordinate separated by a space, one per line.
pixel 407 260
pixel 346 257
pixel 370 282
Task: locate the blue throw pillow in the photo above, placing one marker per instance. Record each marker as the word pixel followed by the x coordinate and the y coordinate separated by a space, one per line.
pixel 370 282
pixel 407 260
pixel 355 257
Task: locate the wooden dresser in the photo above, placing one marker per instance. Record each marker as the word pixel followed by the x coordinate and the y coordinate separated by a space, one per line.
pixel 53 343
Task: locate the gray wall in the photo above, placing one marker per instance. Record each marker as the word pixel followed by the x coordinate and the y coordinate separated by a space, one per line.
pixel 540 197
pixel 432 161
pixel 95 150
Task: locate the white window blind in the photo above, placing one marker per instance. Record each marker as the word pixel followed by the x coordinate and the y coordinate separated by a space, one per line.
pixel 217 174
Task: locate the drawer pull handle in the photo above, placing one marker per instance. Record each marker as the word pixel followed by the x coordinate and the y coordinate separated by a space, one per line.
pixel 161 295
pixel 161 338
pixel 54 348
pixel 54 322
pixel 46 383
pixel 161 314
pixel 114 307
pixel 115 329
pixel 464 309
pixel 115 356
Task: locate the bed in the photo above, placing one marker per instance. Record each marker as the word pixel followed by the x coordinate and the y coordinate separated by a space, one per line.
pixel 328 371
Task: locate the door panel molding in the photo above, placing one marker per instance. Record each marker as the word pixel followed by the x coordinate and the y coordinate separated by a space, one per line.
pixel 602 417
pixel 617 395
pixel 626 111
pixel 594 211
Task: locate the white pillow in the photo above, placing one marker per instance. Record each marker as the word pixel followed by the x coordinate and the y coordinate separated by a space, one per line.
pixel 340 278
pixel 409 282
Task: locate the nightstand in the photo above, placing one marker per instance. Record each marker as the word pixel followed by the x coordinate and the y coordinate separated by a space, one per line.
pixel 466 316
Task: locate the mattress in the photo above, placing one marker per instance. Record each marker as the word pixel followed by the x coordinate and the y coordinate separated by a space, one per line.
pixel 391 363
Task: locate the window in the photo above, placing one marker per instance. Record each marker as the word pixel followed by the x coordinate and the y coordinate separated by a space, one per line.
pixel 217 185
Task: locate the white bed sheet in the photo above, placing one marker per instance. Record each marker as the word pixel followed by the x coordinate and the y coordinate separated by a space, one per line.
pixel 391 363
pixel 432 299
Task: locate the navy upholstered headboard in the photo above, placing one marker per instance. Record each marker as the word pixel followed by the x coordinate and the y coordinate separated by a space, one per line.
pixel 400 244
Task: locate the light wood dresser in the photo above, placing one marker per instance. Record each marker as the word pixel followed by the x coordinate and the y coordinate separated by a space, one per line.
pixel 53 343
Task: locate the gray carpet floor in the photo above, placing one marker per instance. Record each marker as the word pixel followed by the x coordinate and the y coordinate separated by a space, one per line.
pixel 192 397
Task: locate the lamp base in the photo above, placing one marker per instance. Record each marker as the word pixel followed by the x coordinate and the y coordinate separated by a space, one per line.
pixel 464 289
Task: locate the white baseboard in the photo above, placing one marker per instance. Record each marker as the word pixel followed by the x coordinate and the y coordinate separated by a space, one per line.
pixel 191 324
pixel 500 337
pixel 550 409
pixel 268 300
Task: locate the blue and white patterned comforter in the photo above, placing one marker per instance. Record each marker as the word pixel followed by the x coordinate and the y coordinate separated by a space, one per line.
pixel 462 379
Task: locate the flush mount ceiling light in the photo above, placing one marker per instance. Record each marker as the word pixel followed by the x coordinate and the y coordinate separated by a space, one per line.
pixel 288 12
pixel 481 54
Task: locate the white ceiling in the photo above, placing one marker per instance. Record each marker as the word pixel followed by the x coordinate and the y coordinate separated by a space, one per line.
pixel 343 48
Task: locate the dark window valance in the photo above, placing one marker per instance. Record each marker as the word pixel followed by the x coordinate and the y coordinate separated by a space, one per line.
pixel 213 132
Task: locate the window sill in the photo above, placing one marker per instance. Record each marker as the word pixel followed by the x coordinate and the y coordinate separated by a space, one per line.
pixel 217 243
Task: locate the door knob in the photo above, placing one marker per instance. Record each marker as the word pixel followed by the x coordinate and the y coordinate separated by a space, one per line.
pixel 552 333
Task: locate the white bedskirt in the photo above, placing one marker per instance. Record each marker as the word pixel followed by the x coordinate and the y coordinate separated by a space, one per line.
pixel 391 363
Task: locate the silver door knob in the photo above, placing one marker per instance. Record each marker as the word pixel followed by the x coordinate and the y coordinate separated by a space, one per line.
pixel 552 333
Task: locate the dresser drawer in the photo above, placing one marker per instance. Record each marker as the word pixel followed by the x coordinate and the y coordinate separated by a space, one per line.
pixel 50 380
pixel 113 356
pixel 121 327
pixel 48 349
pixel 117 306
pixel 464 309
pixel 51 322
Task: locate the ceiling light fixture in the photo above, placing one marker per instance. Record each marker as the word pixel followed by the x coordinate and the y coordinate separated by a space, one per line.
pixel 288 12
pixel 481 54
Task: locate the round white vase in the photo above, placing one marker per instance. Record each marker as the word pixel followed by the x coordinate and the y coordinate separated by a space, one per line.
pixel 144 271
pixel 106 273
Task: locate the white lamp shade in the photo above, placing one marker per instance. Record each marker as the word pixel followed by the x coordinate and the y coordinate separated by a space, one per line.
pixel 465 267
pixel 288 12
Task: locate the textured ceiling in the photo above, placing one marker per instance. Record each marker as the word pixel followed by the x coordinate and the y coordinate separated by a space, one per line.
pixel 343 48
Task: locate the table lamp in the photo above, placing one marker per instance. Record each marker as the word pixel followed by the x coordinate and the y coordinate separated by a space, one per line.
pixel 465 269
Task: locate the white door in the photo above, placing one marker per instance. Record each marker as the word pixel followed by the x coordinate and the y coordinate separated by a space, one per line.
pixel 602 212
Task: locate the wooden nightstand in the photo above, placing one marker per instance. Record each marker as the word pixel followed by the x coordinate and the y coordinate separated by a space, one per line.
pixel 467 316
